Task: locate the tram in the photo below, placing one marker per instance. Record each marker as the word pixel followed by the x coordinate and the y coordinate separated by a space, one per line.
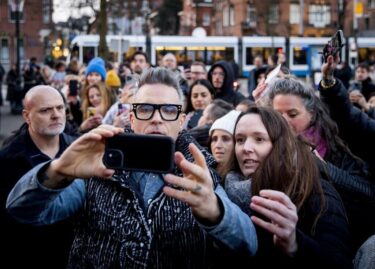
pixel 302 53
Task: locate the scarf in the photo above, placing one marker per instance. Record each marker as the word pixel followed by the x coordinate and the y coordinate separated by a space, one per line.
pixel 314 135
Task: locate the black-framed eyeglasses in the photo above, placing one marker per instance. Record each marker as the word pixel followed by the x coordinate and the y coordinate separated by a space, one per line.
pixel 145 111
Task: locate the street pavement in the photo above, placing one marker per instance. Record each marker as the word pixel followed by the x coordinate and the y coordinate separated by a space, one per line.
pixel 8 122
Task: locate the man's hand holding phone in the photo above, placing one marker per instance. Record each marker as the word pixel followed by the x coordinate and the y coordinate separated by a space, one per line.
pixel 196 186
pixel 83 158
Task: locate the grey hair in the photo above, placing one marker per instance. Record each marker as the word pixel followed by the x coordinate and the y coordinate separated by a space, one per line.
pixel 160 75
pixel 292 86
pixel 321 119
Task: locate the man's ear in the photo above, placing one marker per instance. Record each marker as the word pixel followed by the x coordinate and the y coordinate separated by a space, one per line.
pixel 26 116
pixel 131 118
pixel 182 119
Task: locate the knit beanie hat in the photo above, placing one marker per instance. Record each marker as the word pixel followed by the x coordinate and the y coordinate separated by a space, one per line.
pixel 96 65
pixel 226 122
pixel 112 79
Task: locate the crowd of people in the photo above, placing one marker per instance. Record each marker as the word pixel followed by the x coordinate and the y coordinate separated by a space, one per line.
pixel 283 174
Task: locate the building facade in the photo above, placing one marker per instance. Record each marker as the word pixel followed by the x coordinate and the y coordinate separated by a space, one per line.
pixel 196 13
pixel 35 27
pixel 309 18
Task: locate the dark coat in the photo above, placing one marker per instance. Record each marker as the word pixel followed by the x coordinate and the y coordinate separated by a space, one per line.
pixel 11 81
pixel 138 244
pixel 368 87
pixel 26 246
pixel 357 191
pixel 325 246
pixel 356 128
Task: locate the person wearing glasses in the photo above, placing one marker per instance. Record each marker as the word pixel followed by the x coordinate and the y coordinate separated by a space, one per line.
pixel 136 219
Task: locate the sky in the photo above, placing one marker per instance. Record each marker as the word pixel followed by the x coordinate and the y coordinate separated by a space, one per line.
pixel 62 10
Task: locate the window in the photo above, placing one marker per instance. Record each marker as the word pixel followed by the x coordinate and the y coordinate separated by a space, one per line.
pixel 251 17
pixel 300 55
pixel 206 19
pixel 371 3
pixel 294 14
pixel 319 15
pixel 273 15
pixel 231 16
pixel 46 11
pixel 4 46
pixel 219 28
pixel 226 16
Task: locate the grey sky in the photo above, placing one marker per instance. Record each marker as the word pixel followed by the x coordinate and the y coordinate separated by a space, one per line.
pixel 62 10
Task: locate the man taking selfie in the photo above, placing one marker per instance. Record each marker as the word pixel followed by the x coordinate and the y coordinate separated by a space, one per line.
pixel 134 219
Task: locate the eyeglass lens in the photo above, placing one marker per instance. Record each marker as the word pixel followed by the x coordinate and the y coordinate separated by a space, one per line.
pixel 146 111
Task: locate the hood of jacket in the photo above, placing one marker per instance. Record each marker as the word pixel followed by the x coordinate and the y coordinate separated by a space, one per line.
pixel 227 88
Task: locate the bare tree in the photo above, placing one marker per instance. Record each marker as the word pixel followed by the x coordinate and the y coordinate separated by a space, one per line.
pixel 81 8
pixel 102 25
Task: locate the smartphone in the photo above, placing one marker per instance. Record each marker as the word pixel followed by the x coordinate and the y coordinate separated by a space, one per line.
pixel 334 45
pixel 73 87
pixel 134 152
pixel 91 111
pixel 270 77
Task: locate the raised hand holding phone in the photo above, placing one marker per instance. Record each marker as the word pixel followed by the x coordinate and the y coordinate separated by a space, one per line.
pixel 262 87
pixel 73 87
pixel 334 45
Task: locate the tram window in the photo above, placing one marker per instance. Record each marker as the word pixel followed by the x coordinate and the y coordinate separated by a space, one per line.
pixel 194 55
pixel 74 52
pixel 88 54
pixel 215 54
pixel 365 54
pixel 229 54
pixel 252 52
pixel 299 55
pixel 126 56
pixel 179 52
pixel 186 55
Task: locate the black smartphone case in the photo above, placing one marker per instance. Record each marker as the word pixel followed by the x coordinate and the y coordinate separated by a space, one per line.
pixel 134 152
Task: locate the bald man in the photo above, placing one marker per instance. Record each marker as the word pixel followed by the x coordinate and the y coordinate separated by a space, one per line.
pixel 40 139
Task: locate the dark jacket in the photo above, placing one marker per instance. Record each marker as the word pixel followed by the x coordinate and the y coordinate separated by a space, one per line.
pixel 201 134
pixel 24 246
pixel 11 81
pixel 356 127
pixel 368 87
pixel 252 81
pixel 356 189
pixel 146 245
pixel 226 92
pixel 325 246
pixel 2 73
pixel 344 74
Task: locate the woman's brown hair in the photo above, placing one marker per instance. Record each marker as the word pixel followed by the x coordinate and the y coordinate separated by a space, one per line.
pixel 290 166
